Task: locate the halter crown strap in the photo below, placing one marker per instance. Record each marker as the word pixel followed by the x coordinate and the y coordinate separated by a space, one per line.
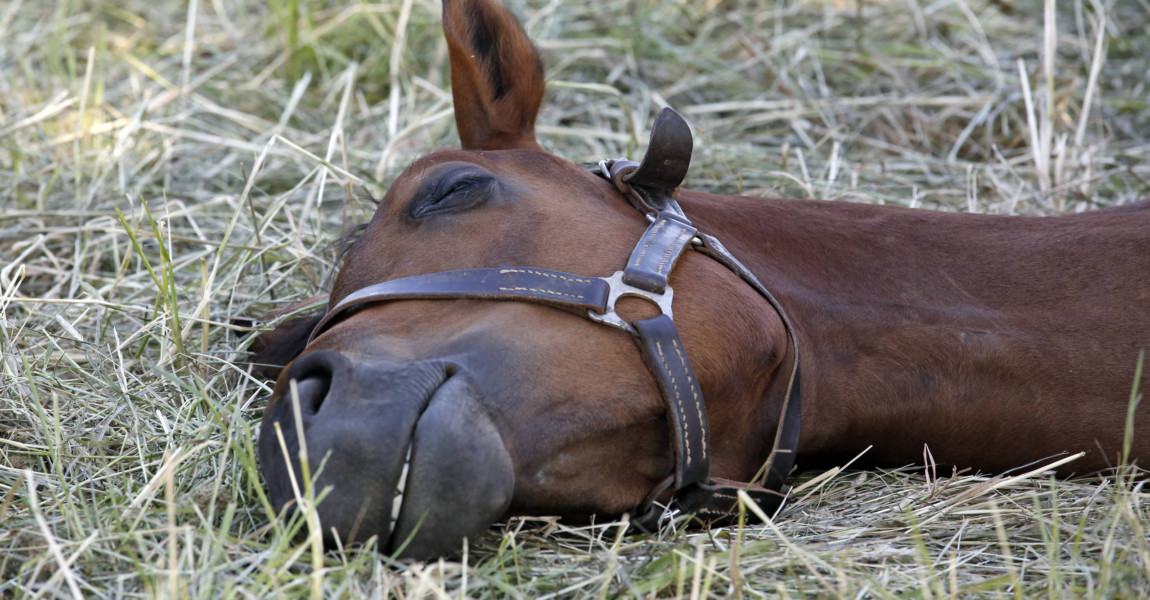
pixel 651 187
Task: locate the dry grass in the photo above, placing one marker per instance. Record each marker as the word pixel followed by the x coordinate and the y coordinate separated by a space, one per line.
pixel 165 165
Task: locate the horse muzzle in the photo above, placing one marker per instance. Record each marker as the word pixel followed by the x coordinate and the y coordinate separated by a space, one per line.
pixel 403 452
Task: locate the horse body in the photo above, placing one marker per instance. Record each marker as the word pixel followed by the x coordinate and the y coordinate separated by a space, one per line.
pixel 995 341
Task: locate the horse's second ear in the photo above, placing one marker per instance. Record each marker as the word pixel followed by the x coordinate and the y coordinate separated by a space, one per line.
pixel 272 350
pixel 496 75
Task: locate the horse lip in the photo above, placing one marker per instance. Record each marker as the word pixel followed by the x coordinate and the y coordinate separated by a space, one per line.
pixel 459 477
pixel 401 482
pixel 364 396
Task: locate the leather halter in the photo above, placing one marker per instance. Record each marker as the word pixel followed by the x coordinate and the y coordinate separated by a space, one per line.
pixel 650 187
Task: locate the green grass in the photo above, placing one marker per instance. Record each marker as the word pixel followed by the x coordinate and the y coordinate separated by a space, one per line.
pixel 166 166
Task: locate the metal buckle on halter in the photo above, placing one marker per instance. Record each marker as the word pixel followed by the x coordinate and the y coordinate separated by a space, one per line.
pixel 619 289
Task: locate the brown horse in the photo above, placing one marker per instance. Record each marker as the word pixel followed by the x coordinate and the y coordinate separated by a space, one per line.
pixel 996 341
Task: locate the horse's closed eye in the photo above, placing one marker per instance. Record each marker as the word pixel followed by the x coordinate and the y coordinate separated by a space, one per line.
pixel 455 192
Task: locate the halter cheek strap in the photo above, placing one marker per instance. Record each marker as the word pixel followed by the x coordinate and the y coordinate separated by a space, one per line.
pixel 713 500
pixel 650 187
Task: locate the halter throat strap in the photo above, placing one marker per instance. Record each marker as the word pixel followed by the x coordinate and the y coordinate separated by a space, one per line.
pixel 713 500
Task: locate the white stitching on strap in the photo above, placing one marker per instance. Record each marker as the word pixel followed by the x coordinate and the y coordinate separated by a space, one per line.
pixel 540 291
pixel 670 248
pixel 544 274
pixel 678 401
pixel 650 240
pixel 694 391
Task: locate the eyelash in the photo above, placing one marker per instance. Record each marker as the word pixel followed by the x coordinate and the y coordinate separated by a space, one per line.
pixel 458 196
pixel 464 184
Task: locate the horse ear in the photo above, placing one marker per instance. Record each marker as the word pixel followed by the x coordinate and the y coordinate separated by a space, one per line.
pixel 272 350
pixel 496 75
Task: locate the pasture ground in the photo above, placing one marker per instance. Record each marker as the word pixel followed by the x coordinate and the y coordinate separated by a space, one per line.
pixel 167 165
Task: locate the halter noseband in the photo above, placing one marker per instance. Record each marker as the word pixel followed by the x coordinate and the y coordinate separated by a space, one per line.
pixel 649 186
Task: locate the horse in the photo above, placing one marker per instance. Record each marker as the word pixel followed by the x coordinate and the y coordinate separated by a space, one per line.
pixel 478 356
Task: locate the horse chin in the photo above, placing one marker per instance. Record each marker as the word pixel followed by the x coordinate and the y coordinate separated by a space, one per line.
pixel 459 480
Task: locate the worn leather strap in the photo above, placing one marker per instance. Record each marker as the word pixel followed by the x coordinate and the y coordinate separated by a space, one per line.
pixel 717 501
pixel 649 201
pixel 655 255
pixel 782 457
pixel 652 190
pixel 659 340
pixel 668 156
pixel 553 288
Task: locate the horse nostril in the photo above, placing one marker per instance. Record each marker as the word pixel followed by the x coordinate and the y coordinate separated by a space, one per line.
pixel 313 374
pixel 311 391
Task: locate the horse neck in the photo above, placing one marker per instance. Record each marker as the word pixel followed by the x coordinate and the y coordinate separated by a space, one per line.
pixel 834 261
pixel 910 320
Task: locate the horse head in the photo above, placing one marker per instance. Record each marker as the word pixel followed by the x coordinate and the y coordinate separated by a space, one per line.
pixel 425 419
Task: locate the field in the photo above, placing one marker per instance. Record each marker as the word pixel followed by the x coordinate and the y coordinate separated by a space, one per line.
pixel 167 166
